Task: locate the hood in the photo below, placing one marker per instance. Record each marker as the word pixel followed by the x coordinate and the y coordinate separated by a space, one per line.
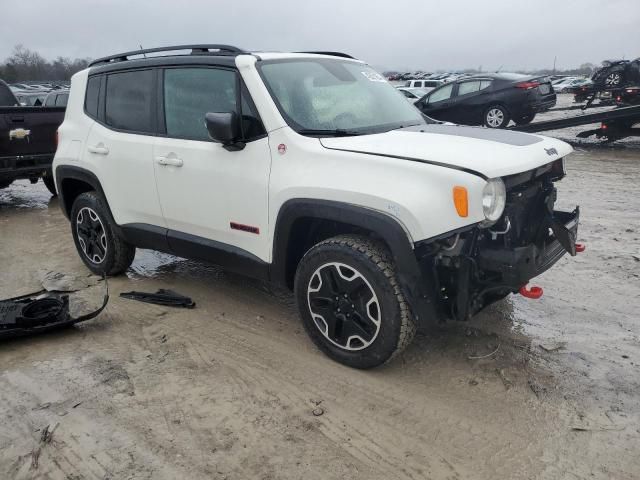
pixel 482 151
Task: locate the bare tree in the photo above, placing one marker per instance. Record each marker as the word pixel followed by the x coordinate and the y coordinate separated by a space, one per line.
pixel 26 65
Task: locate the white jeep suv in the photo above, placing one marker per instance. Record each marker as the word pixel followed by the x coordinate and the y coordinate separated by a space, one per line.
pixel 311 171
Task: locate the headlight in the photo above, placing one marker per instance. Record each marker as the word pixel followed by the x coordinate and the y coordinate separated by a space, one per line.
pixel 494 197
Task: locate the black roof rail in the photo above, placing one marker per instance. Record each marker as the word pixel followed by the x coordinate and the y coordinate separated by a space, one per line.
pixel 195 50
pixel 332 54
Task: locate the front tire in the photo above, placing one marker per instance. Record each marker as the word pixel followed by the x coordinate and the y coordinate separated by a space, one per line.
pixel 496 116
pixel 526 119
pixel 96 237
pixel 350 301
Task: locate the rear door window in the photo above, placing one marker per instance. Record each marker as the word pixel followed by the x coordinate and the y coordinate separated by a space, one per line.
pixel 129 101
pixel 441 94
pixel 466 88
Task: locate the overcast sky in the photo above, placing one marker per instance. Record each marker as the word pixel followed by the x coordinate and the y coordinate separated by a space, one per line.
pixel 415 34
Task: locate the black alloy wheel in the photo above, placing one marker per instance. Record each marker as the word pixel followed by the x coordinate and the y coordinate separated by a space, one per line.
pixel 92 236
pixel 344 306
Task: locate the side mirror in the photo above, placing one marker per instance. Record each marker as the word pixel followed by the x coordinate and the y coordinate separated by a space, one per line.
pixel 224 128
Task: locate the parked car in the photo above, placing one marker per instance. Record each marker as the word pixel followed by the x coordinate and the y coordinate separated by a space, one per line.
pixel 565 84
pixel 25 87
pixel 430 84
pixel 27 140
pixel 627 97
pixel 57 98
pixel 491 100
pixel 617 73
pixel 312 171
pixel 414 94
pixel 28 99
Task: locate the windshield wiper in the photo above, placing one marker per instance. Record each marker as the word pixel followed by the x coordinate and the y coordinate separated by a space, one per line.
pixel 338 132
pixel 405 126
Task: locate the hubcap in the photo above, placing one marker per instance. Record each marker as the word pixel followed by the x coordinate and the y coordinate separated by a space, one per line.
pixel 495 117
pixel 91 235
pixel 344 306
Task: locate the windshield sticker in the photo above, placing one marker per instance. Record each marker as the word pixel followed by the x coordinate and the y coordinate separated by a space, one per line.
pixel 373 76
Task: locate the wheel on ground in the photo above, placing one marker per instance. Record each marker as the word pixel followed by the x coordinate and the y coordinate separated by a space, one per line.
pixel 94 232
pixel 47 179
pixel 350 301
pixel 526 119
pixel 496 116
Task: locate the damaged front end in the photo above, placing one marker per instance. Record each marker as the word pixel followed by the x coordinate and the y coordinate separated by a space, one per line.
pixel 34 314
pixel 477 266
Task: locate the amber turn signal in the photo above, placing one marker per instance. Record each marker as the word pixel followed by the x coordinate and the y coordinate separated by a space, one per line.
pixel 461 201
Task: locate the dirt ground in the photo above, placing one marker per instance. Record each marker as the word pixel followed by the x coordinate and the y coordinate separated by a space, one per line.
pixel 228 390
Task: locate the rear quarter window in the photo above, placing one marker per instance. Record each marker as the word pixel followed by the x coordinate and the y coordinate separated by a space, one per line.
pixel 93 94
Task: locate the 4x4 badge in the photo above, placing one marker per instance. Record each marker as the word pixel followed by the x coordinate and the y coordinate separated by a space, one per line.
pixel 551 151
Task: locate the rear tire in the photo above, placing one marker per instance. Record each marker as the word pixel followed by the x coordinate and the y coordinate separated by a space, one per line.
pixel 47 179
pixel 496 116
pixel 350 301
pixel 96 236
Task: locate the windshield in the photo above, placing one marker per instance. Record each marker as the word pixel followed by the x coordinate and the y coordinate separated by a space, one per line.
pixel 327 96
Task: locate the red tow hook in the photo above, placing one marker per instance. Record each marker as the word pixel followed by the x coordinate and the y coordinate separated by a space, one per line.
pixel 533 293
pixel 580 247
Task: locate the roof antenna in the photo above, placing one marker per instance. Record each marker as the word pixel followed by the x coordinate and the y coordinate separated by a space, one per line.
pixel 143 54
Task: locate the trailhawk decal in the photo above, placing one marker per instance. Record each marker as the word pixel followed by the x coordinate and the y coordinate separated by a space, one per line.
pixel 244 228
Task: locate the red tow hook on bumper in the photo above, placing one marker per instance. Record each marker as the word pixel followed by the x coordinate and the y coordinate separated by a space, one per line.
pixel 580 247
pixel 533 293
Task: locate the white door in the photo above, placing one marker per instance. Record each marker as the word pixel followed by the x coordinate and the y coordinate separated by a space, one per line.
pixel 121 152
pixel 205 190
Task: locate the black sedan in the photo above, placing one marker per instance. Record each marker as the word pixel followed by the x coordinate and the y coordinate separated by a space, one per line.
pixel 492 100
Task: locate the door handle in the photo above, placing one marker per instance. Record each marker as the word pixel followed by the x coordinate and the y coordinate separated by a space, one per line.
pixel 99 149
pixel 171 161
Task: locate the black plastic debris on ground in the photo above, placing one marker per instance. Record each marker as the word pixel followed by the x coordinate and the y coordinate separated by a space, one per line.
pixel 163 297
pixel 35 313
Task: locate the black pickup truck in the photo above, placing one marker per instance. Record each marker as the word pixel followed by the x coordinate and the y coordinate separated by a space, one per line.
pixel 27 140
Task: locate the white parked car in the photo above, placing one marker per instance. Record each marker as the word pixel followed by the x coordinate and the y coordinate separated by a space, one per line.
pixel 564 84
pixel 431 84
pixel 414 94
pixel 311 171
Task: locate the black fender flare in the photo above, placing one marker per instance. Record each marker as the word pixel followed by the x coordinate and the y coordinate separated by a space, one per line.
pixel 64 172
pixel 418 287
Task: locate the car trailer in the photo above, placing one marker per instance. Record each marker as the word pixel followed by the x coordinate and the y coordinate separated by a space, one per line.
pixel 615 124
pixel 588 93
